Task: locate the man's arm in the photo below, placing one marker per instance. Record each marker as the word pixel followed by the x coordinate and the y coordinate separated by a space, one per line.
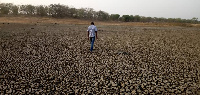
pixel 96 34
pixel 88 35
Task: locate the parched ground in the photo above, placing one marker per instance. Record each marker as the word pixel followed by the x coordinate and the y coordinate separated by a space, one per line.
pixel 54 58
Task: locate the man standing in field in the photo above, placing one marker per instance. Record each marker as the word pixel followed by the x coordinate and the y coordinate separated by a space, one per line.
pixel 92 33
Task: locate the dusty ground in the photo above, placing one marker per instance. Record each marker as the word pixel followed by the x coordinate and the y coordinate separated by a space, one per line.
pixel 54 58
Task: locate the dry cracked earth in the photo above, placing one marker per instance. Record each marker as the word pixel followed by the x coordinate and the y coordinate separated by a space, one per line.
pixel 55 59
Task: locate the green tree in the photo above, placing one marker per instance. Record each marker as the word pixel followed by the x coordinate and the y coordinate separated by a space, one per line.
pixel 15 10
pixel 149 19
pixel 126 18
pixel 194 20
pixel 178 20
pixel 90 13
pixel 143 19
pixel 72 12
pixel 137 18
pixel 114 17
pixel 42 10
pixel 30 10
pixel 81 13
pixel 170 19
pixel 101 15
pixel 162 19
pixel 59 11
pixel 131 18
pixel 27 9
pixel 5 8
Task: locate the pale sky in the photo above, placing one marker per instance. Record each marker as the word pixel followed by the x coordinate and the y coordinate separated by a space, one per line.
pixel 185 9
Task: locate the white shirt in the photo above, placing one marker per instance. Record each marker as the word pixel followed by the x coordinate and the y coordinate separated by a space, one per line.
pixel 92 29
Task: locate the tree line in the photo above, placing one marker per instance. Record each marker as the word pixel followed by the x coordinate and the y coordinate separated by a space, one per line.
pixel 64 11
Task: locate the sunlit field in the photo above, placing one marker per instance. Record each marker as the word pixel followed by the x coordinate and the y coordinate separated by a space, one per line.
pixel 49 56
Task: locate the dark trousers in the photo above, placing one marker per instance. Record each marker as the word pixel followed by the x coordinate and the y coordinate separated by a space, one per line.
pixel 92 39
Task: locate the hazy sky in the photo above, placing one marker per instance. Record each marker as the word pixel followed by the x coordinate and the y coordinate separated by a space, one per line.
pixel 185 9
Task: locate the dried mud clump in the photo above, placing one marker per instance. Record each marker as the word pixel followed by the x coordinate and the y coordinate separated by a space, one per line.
pixel 55 59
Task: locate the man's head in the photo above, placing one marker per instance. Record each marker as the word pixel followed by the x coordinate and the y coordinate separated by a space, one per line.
pixel 92 23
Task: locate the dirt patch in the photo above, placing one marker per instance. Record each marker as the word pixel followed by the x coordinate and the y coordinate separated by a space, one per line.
pixel 55 59
pixel 46 20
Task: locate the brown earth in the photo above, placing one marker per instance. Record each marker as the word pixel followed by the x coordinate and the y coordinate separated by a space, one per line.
pixel 33 20
pixel 51 56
